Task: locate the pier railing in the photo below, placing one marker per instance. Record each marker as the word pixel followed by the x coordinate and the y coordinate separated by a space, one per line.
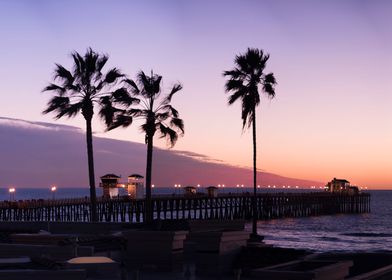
pixel 226 207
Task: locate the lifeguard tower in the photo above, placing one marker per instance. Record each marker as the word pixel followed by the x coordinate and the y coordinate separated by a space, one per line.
pixel 135 186
pixel 109 183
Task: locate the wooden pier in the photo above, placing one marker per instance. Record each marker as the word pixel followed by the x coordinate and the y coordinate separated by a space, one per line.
pixel 225 207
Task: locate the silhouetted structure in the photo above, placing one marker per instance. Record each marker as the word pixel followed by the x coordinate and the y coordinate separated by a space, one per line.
pixel 109 183
pixel 77 92
pixel 135 187
pixel 156 111
pixel 225 207
pixel 244 81
pixel 341 186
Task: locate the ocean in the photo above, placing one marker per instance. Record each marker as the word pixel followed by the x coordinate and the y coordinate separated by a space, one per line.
pixel 348 233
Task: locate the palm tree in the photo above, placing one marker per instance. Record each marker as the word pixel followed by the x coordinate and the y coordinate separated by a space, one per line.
pixel 77 91
pixel 156 112
pixel 244 83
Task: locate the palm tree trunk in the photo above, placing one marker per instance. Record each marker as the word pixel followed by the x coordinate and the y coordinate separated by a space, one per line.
pixel 90 157
pixel 148 213
pixel 254 205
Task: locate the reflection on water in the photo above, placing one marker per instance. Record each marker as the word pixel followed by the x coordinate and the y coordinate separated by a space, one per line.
pixel 357 232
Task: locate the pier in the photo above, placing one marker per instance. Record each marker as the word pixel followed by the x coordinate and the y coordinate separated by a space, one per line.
pixel 224 207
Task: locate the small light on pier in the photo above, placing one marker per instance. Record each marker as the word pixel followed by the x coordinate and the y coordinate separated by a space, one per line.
pixel 198 185
pixel 152 186
pixel 258 186
pixel 242 186
pixel 219 186
pixel 12 193
pixel 53 189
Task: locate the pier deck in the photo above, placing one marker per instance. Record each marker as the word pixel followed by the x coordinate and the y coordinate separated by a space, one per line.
pixel 225 207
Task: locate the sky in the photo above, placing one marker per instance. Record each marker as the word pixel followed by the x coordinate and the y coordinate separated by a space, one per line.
pixel 332 61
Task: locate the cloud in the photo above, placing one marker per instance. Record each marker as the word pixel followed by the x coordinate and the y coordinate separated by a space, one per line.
pixel 197 156
pixel 36 154
pixel 35 125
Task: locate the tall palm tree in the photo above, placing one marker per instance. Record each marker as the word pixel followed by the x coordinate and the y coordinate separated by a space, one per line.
pixel 158 116
pixel 78 91
pixel 244 83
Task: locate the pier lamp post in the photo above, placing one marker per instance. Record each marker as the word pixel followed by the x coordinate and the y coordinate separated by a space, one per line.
pixel 12 193
pixel 53 189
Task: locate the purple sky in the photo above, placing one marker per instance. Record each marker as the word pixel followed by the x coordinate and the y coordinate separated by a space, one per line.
pixel 332 59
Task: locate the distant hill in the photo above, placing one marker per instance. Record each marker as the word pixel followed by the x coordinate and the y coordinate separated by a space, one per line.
pixel 37 154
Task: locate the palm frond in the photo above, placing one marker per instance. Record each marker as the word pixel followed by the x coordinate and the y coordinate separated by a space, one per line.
pixel 237 94
pixel 163 116
pixel 57 103
pixel 107 110
pixel 133 86
pixel 178 124
pixel 113 75
pixel 234 85
pixel 55 88
pixel 176 88
pixel 168 133
pixel 234 74
pixel 73 109
pixel 101 61
pixel 171 109
pixel 123 120
pixel 79 65
pixel 121 96
pixel 270 78
pixel 61 73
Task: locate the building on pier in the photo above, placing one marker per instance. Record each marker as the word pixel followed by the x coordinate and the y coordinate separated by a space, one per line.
pixel 109 183
pixel 134 187
pixel 341 186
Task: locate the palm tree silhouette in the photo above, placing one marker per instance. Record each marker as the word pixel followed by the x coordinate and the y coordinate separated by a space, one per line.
pixel 78 91
pixel 158 116
pixel 244 82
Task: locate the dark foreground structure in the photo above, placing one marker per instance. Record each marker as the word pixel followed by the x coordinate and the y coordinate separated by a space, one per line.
pixel 227 207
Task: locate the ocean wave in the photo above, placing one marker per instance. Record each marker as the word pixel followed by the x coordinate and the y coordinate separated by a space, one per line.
pixel 327 238
pixel 367 234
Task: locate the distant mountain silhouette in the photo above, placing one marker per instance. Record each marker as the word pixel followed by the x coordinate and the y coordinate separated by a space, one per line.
pixel 37 154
